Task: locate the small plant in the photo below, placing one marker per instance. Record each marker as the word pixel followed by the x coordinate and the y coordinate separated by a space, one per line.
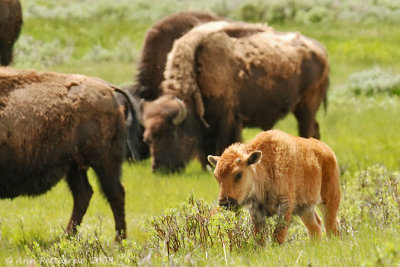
pixel 195 225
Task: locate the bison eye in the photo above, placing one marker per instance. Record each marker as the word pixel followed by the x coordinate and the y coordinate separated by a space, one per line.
pixel 238 176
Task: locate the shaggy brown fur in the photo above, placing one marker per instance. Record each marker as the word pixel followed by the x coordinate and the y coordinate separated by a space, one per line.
pixel 180 73
pixel 247 66
pixel 157 44
pixel 10 27
pixel 54 125
pixel 230 75
pixel 277 173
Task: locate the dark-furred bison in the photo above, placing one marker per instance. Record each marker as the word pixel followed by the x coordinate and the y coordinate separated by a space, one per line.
pixel 229 75
pixel 56 125
pixel 156 46
pixel 10 27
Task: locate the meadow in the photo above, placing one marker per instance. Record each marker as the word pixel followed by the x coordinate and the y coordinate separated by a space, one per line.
pixel 168 216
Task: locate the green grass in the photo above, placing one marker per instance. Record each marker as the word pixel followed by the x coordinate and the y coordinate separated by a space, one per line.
pixel 363 132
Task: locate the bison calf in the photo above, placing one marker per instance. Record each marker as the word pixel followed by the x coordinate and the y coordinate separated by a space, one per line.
pixel 54 125
pixel 277 173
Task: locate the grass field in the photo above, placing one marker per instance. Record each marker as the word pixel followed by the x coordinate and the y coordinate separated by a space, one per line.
pixel 362 129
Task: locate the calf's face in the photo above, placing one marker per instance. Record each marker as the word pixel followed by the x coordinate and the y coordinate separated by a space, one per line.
pixel 235 175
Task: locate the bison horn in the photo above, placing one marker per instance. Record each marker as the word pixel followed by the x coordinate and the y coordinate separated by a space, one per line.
pixel 140 112
pixel 181 113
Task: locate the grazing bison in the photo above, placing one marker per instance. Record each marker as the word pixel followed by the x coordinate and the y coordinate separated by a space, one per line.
pixel 229 75
pixel 10 27
pixel 157 44
pixel 54 125
pixel 277 173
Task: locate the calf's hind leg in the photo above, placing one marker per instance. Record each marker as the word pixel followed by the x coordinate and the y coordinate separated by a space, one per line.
pixel 82 192
pixel 329 212
pixel 330 194
pixel 312 221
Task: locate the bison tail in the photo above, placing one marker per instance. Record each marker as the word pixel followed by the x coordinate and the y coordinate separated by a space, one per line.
pixel 135 144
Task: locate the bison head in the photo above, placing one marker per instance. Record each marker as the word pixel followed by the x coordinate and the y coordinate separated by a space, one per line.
pixel 234 172
pixel 168 132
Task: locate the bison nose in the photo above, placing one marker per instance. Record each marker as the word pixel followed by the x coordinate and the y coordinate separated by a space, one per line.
pixel 227 202
pixel 164 168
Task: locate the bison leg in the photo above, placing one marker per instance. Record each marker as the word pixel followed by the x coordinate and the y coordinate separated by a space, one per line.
pixel 308 126
pixel 82 192
pixel 330 194
pixel 312 221
pixel 329 213
pixel 258 221
pixel 229 131
pixel 108 173
pixel 6 56
pixel 284 216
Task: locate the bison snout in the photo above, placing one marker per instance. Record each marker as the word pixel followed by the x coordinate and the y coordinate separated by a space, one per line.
pixel 165 168
pixel 228 203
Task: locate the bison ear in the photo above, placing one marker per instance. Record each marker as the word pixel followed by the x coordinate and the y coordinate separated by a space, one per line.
pixel 213 160
pixel 254 157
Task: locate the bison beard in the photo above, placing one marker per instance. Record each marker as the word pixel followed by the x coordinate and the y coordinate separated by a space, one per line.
pixel 55 125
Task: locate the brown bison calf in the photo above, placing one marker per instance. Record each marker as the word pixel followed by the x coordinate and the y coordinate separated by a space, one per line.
pixel 277 173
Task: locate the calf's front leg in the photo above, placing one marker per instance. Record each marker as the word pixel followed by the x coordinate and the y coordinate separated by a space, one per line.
pixel 284 216
pixel 258 221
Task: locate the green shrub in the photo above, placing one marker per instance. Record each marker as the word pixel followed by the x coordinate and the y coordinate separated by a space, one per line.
pixel 250 10
pixel 252 13
pixel 374 81
pixel 371 196
pixel 36 53
pixel 124 51
pixel 194 226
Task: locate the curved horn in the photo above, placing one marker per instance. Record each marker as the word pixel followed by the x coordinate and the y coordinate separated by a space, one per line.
pixel 140 112
pixel 181 113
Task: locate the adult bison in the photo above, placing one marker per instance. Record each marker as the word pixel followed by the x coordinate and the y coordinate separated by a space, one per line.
pixel 54 125
pixel 10 27
pixel 229 75
pixel 150 67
